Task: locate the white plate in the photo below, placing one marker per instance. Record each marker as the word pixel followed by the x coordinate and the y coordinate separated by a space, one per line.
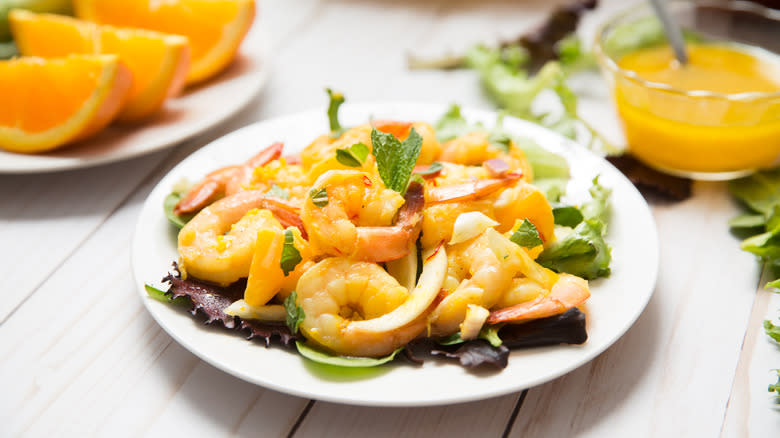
pixel 195 111
pixel 613 307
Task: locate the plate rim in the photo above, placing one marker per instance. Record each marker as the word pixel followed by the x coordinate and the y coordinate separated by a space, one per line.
pixel 256 49
pixel 340 399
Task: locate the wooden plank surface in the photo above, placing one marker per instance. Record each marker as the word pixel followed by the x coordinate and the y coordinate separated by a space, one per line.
pixel 79 354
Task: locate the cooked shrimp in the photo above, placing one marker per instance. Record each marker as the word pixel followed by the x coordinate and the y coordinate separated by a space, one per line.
pixel 225 181
pixel 569 291
pixel 475 148
pixel 356 220
pixel 482 280
pixel 358 309
pixel 320 156
pixel 217 245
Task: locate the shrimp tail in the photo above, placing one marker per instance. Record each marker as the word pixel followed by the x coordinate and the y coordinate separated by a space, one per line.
pixel 569 291
pixel 225 181
pixel 287 214
pixel 382 244
pixel 471 190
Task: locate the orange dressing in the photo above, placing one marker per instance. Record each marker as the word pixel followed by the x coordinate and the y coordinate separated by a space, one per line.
pixel 685 133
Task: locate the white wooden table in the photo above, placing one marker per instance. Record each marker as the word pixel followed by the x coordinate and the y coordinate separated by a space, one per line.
pixel 80 355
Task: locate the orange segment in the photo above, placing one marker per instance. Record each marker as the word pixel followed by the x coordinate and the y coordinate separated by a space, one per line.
pixel 49 103
pixel 215 28
pixel 158 61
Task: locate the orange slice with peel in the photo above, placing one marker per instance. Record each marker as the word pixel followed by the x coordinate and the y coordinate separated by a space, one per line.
pixel 158 61
pixel 48 103
pixel 215 28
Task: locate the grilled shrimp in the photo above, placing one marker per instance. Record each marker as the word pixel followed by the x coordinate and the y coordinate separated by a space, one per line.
pixel 475 148
pixel 225 181
pixel 356 219
pixel 358 309
pixel 218 244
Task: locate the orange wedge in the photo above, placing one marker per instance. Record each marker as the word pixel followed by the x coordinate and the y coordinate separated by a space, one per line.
pixel 215 28
pixel 47 103
pixel 158 61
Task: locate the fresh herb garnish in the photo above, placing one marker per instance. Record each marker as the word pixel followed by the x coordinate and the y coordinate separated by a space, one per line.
pixel 290 255
pixel 336 99
pixel 278 192
pixel 354 156
pixel 295 314
pixel 395 159
pixel 583 252
pixel 567 215
pixel 526 235
pixel 343 361
pixel 433 169
pixel 319 197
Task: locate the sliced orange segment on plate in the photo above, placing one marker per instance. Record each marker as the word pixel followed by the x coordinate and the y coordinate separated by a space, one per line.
pixel 47 103
pixel 215 28
pixel 158 61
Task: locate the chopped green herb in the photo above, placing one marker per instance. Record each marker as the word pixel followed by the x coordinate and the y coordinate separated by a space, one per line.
pixel 354 156
pixel 526 235
pixel 290 255
pixel 343 361
pixel 295 314
pixel 336 99
pixel 278 192
pixel 319 197
pixel 567 215
pixel 434 168
pixel 395 159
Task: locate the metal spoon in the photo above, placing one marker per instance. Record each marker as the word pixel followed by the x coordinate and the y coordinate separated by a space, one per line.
pixel 672 30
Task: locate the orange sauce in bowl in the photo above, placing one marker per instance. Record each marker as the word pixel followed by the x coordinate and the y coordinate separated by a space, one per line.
pixel 691 132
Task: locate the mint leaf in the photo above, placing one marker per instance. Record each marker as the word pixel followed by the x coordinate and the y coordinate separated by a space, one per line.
pixel 319 197
pixel 343 361
pixel 354 156
pixel 395 159
pixel 295 314
pixel 567 215
pixel 278 192
pixel 290 255
pixel 336 99
pixel 526 235
pixel 433 169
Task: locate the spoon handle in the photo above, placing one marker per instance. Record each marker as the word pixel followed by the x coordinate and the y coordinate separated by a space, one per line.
pixel 672 30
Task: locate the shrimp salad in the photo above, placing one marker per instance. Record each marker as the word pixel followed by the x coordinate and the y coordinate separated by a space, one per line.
pixel 442 239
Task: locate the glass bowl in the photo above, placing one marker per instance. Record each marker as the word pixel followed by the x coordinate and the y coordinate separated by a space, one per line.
pixel 696 134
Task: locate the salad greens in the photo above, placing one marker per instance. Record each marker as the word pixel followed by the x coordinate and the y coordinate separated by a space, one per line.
pixel 343 361
pixel 760 193
pixel 395 159
pixel 582 251
pixel 160 295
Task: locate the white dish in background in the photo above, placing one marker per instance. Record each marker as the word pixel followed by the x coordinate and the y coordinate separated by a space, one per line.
pixel 615 303
pixel 196 110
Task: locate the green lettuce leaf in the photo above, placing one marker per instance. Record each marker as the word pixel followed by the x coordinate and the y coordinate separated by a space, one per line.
pixel 343 361
pixel 598 207
pixel 771 330
pixel 160 295
pixel 567 215
pixel 169 203
pixel 583 252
